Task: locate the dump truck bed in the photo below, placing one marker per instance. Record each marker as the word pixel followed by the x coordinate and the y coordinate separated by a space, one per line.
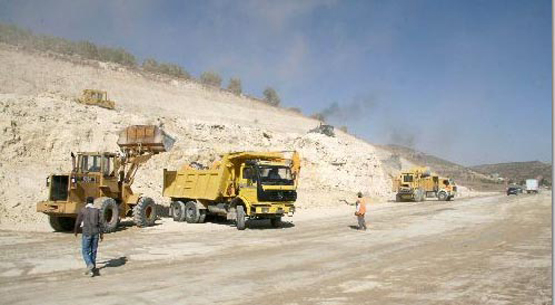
pixel 195 184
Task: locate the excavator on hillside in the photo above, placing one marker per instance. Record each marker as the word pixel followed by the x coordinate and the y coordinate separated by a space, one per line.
pixel 93 97
pixel 107 177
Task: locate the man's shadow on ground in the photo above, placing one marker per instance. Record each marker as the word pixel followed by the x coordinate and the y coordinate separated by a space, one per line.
pixel 111 263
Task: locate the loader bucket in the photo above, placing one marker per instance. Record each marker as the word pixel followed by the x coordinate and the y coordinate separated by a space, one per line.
pixel 145 138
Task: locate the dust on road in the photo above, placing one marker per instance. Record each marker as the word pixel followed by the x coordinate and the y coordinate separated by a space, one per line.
pixel 493 250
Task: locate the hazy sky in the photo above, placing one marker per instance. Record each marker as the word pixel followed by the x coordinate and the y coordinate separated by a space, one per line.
pixel 469 81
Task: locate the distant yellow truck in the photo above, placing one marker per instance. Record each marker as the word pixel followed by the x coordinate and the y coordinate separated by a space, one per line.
pixel 254 185
pixel 420 183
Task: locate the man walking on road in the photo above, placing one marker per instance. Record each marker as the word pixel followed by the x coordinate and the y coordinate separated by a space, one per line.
pixel 91 223
pixel 361 212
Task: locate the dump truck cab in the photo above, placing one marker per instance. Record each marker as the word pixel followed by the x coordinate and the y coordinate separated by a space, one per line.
pixel 241 185
pixel 268 188
pixel 446 189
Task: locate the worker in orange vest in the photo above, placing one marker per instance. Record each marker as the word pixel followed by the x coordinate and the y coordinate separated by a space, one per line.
pixel 361 212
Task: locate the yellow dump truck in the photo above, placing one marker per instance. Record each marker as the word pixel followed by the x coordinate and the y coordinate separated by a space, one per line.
pixel 240 186
pixel 420 183
pixel 107 177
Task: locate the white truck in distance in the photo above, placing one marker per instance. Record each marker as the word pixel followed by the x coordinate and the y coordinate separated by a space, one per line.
pixel 531 186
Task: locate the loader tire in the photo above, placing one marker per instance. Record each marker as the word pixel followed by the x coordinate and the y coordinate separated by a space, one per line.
pixel 276 222
pixel 109 213
pixel 398 198
pixel 192 213
pixel 178 211
pixel 61 224
pixel 241 218
pixel 144 212
pixel 442 196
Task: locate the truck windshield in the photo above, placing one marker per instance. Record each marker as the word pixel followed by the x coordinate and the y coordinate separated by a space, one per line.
pixel 275 175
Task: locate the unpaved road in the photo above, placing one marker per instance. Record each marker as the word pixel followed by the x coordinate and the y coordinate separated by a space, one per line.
pixel 493 250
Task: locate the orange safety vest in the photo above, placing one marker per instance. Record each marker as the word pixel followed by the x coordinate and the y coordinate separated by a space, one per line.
pixel 362 207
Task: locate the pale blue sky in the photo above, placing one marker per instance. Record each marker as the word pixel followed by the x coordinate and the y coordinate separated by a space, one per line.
pixel 469 81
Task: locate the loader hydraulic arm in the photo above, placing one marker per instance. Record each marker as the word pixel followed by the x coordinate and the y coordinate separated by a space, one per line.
pixel 133 163
pixel 138 144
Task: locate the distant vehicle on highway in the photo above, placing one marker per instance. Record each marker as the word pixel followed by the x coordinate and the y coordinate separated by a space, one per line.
pixel 531 186
pixel 513 190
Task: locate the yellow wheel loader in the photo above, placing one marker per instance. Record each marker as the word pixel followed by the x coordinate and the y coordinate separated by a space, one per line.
pixel 107 177
pixel 241 186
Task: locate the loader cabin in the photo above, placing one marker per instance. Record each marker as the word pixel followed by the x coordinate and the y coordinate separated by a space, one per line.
pixel 94 162
pixel 87 167
pixel 95 94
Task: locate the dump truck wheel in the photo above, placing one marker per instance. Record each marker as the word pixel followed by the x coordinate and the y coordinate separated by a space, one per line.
pixel 202 217
pixel 276 222
pixel 419 195
pixel 61 224
pixel 178 210
pixel 442 196
pixel 110 214
pixel 241 218
pixel 144 212
pixel 416 197
pixel 192 214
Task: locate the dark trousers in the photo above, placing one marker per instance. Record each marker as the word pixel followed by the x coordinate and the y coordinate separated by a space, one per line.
pixel 89 248
pixel 361 222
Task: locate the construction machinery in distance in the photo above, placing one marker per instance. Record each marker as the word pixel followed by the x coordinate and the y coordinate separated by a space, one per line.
pixel 96 98
pixel 240 186
pixel 420 183
pixel 325 129
pixel 108 178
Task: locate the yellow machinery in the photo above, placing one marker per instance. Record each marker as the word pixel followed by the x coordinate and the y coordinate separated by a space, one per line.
pixel 420 183
pixel 96 98
pixel 107 177
pixel 241 185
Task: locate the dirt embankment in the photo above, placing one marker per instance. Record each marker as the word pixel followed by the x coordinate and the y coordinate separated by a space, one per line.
pixel 40 125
